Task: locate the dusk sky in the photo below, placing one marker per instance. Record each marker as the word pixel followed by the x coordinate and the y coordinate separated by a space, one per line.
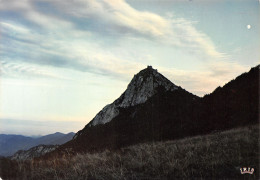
pixel 62 61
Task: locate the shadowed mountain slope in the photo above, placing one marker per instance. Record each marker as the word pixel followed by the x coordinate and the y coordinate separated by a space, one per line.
pixel 172 114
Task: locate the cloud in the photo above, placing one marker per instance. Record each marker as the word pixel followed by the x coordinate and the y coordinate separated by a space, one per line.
pixel 118 18
pixel 27 9
pixel 71 35
pixel 63 53
pixel 18 70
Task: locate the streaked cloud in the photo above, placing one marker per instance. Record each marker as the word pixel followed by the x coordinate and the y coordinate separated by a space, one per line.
pixel 59 41
pixel 120 18
pixel 19 71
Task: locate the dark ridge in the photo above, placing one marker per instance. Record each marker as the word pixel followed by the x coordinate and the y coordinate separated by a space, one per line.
pixel 175 114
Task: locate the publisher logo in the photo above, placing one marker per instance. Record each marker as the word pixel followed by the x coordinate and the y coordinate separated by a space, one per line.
pixel 247 170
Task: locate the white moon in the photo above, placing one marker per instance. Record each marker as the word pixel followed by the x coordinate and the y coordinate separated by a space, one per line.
pixel 248 26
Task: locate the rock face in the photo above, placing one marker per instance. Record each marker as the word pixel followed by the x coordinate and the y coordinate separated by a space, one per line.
pixel 33 152
pixel 144 85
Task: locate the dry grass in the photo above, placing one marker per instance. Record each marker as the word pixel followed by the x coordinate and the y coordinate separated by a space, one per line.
pixel 219 155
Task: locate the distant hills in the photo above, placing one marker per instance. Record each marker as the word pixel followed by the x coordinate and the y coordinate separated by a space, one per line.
pixel 9 144
pixel 154 109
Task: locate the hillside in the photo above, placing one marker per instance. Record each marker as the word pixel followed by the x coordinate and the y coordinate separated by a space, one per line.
pixel 33 152
pixel 218 155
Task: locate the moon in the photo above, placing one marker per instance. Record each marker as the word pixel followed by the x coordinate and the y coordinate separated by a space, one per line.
pixel 248 26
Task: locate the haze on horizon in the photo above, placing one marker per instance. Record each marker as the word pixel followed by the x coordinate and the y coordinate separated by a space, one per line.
pixel 62 61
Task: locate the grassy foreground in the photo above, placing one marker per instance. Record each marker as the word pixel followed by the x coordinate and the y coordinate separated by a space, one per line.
pixel 218 155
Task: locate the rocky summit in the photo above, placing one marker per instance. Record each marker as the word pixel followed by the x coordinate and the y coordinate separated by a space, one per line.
pixel 144 85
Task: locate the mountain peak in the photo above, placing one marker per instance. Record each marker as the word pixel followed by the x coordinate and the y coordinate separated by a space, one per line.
pixel 144 85
pixel 147 71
